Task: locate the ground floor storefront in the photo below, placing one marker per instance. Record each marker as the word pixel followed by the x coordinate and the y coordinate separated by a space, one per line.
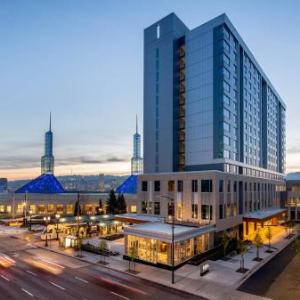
pixel 153 243
pixel 272 221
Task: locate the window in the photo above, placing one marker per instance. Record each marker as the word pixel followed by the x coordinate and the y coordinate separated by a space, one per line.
pixel 179 186
pixel 221 186
pixel 171 209
pixel 228 186
pixel 235 187
pixel 221 211
pixel 195 211
pixel 226 100
pixel 156 186
pixel 144 186
pixel 206 186
pixel 226 126
pixel 206 212
pixel 226 60
pixel 226 153
pixel 194 186
pixel 171 186
pixel 226 113
pixel 157 208
pixel 158 31
pixel 226 140
pixel 226 87
pixel 226 73
pixel 226 46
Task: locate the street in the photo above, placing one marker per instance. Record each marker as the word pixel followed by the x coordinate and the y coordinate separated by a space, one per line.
pixel 28 272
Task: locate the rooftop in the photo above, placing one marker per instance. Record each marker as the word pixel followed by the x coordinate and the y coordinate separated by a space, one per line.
pixel 264 214
pixel 44 184
pixel 140 217
pixel 163 231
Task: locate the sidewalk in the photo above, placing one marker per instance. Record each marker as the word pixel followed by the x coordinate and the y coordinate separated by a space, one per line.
pixel 220 283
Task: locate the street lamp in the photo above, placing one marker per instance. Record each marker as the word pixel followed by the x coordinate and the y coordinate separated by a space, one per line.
pixel 25 209
pixel 29 217
pixel 173 234
pixel 57 216
pixel 46 219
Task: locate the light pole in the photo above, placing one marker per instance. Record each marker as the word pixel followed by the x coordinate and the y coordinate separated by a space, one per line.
pixel 46 219
pixel 25 210
pixel 173 235
pixel 30 213
pixel 57 216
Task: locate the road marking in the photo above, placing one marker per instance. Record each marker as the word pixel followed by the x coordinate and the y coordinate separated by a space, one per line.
pixel 121 296
pixel 30 272
pixel 81 279
pixel 58 286
pixel 4 277
pixel 28 293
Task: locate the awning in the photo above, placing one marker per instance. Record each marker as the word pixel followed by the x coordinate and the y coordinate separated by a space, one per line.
pixel 264 215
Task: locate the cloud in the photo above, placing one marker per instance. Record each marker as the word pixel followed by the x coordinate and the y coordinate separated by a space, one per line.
pixel 29 161
pixel 293 150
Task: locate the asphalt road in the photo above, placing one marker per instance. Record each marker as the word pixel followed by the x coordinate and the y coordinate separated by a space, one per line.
pixel 40 274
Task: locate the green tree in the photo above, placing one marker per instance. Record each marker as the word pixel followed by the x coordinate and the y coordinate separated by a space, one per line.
pixel 77 209
pixel 103 248
pixel 225 240
pixel 122 207
pixel 296 245
pixel 242 248
pixel 111 203
pixel 258 243
pixel 269 236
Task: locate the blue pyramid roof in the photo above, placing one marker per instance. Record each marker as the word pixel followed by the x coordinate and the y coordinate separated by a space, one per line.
pixel 129 186
pixel 44 184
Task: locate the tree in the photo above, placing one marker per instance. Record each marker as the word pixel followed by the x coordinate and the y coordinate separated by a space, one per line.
pixel 258 242
pixel 225 242
pixel 100 210
pixel 111 203
pixel 77 209
pixel 242 247
pixel 269 236
pixel 296 246
pixel 122 207
pixel 103 248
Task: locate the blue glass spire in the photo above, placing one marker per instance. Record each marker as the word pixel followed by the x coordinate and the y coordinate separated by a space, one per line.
pixel 47 161
pixel 136 160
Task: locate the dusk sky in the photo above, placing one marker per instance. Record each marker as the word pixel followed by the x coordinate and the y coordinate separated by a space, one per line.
pixel 83 60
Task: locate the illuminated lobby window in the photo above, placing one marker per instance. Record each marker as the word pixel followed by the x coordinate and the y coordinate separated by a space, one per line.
pixel 70 209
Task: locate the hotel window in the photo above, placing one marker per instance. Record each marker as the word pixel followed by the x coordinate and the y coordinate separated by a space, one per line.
pixel 226 87
pixel 221 185
pixel 228 186
pixel 206 212
pixel 157 208
pixel 226 140
pixel 179 186
pixel 144 186
pixel 235 187
pixel 171 209
pixel 221 211
pixel 156 186
pixel 226 100
pixel 226 73
pixel 206 186
pixel 226 113
pixel 194 186
pixel 8 209
pixel 195 211
pixel 226 60
pixel 226 126
pixel 171 186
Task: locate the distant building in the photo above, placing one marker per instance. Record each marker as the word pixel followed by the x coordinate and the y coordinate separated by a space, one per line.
pixel 47 160
pixel 136 160
pixel 3 185
pixel 293 196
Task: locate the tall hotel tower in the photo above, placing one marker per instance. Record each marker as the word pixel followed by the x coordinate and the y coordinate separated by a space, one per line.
pixel 208 105
pixel 47 160
pixel 214 130
pixel 136 160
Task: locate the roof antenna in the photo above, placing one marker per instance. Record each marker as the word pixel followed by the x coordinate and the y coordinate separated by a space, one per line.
pixel 136 123
pixel 50 122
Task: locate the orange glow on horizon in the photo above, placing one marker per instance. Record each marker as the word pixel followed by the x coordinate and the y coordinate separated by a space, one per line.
pixel 118 168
